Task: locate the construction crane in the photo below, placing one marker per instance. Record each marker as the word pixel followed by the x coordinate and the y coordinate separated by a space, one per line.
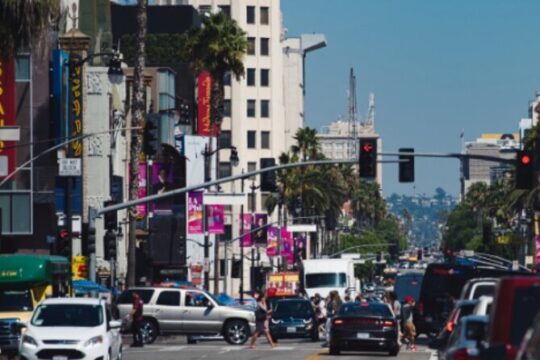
pixel 353 117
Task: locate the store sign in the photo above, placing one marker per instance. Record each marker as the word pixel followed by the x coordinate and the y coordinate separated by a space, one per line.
pixel 76 109
pixel 7 115
pixel 283 284
pixel 204 95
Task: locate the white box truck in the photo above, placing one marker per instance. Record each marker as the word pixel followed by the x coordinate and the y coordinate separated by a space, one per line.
pixel 324 275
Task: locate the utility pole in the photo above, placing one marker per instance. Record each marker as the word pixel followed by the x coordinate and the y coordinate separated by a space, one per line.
pixel 241 289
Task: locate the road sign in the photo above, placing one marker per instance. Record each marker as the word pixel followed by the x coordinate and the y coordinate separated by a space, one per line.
pixel 69 167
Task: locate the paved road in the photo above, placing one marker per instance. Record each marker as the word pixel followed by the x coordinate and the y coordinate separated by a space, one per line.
pixel 176 348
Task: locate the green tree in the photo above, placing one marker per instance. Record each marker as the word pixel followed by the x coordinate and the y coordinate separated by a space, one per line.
pixel 368 205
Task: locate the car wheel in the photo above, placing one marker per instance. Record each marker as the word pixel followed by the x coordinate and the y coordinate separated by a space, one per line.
pixel 236 332
pixel 191 340
pixel 394 351
pixel 334 350
pixel 149 331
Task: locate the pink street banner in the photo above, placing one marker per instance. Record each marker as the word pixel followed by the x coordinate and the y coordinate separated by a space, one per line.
pixel 260 229
pixel 141 208
pixel 287 245
pixel 538 249
pixel 245 229
pixel 216 219
pixel 272 241
pixel 195 212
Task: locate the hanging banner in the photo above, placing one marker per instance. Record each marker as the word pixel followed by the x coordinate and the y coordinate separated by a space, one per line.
pixel 216 219
pixel 272 243
pixel 300 244
pixel 538 249
pixel 245 229
pixel 287 245
pixel 259 229
pixel 7 115
pixel 141 208
pixel 195 212
pixel 204 92
pixel 76 99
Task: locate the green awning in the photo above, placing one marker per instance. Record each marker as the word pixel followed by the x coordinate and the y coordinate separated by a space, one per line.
pixel 23 271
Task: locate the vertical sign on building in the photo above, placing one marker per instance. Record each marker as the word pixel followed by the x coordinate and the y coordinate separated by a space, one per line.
pixel 272 244
pixel 216 219
pixel 204 91
pixel 245 228
pixel 141 208
pixel 7 115
pixel 195 212
pixel 287 245
pixel 76 112
pixel 260 228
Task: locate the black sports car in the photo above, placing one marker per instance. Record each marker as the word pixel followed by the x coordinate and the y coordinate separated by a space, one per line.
pixel 294 318
pixel 364 326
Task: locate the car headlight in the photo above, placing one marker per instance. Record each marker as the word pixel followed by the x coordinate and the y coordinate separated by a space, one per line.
pixel 96 340
pixel 274 321
pixel 27 339
pixel 307 321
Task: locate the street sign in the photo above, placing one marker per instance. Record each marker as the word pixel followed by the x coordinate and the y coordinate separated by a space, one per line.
pixel 224 199
pixel 302 228
pixel 69 167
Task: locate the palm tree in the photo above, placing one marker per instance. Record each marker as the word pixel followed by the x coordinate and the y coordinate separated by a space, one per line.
pixel 24 22
pixel 218 46
pixel 307 144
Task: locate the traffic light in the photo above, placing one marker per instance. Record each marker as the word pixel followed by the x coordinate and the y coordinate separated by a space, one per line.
pixel 111 217
pixel 151 138
pixel 368 158
pixel 110 245
pixel 91 232
pixel 524 170
pixel 406 165
pixel 63 247
pixel 268 179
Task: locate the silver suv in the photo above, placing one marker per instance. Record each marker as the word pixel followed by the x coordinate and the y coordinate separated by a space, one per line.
pixel 188 312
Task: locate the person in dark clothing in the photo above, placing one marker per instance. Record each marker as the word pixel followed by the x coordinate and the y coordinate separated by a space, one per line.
pixel 136 315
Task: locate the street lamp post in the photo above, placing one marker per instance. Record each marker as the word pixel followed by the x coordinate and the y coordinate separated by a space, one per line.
pixel 253 204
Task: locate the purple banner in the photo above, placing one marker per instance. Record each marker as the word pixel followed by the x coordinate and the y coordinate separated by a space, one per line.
pixel 300 243
pixel 141 208
pixel 245 228
pixel 538 249
pixel 195 212
pixel 259 230
pixel 287 245
pixel 272 243
pixel 216 219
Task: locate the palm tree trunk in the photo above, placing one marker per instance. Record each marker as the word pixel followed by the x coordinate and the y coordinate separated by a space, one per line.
pixel 137 120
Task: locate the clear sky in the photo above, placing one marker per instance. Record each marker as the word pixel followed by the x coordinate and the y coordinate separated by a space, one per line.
pixel 436 67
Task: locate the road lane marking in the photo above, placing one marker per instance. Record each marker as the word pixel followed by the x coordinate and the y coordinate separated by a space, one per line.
pixel 316 356
pixel 172 348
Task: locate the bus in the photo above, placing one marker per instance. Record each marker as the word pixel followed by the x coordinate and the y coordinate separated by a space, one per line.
pixel 26 280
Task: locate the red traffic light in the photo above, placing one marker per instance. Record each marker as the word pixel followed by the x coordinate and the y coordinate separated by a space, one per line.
pixel 63 233
pixel 525 159
pixel 367 147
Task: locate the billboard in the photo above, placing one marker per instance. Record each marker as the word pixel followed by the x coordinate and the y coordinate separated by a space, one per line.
pixel 245 230
pixel 7 115
pixel 195 212
pixel 204 92
pixel 216 219
pixel 272 241
pixel 76 106
pixel 283 284
pixel 259 230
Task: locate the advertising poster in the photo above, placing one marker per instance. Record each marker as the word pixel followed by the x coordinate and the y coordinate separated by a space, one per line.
pixel 8 114
pixel 272 241
pixel 259 230
pixel 287 245
pixel 195 212
pixel 283 284
pixel 300 243
pixel 216 219
pixel 162 181
pixel 204 90
pixel 245 228
pixel 141 208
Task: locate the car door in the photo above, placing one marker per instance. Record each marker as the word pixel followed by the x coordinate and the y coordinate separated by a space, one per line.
pixel 168 311
pixel 201 315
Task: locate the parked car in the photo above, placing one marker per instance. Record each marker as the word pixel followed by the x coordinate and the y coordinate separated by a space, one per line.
pixel 464 341
pixel 294 318
pixel 71 328
pixel 515 305
pixel 364 327
pixel 530 345
pixel 188 312
pixel 483 307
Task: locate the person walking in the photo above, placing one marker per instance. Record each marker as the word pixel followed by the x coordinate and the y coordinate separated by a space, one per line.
pixel 333 304
pixel 262 313
pixel 136 316
pixel 395 305
pixel 409 330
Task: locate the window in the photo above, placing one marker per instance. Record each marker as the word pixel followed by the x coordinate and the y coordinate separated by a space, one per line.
pixel 251 108
pixel 226 9
pixel 265 108
pixel 205 9
pixel 264 15
pixel 227 79
pixel 265 140
pixel 22 68
pixel 251 166
pixel 264 198
pixel 250 14
pixel 225 169
pixel 225 138
pixel 252 202
pixel 264 46
pixel 197 299
pixel 169 298
pixel 251 46
pixel 265 77
pixel 250 77
pixel 251 141
pixel 227 107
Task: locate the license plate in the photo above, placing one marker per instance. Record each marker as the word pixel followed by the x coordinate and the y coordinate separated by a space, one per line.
pixel 362 335
pixel 60 357
pixel 291 329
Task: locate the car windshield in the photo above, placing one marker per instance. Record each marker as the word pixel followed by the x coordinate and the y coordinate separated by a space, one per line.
pixel 127 296
pixel 300 308
pixel 481 290
pixel 408 285
pixel 72 315
pixel 322 280
pixel 15 300
pixel 365 309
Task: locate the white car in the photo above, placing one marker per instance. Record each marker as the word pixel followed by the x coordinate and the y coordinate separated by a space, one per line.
pixel 71 328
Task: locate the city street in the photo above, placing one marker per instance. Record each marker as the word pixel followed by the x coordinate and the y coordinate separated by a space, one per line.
pixel 294 349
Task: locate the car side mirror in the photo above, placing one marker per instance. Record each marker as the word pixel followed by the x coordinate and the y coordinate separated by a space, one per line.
pixel 115 324
pixel 210 306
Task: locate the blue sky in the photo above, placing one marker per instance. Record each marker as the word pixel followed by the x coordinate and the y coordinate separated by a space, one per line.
pixel 436 67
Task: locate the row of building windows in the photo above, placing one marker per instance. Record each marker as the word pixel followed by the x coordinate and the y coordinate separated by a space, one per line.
pixel 251 77
pixel 225 139
pixel 264 46
pixel 264 15
pixel 251 111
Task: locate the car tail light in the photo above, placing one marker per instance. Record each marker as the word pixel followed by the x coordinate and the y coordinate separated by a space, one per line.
pixel 389 323
pixel 463 354
pixel 338 322
pixel 421 308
